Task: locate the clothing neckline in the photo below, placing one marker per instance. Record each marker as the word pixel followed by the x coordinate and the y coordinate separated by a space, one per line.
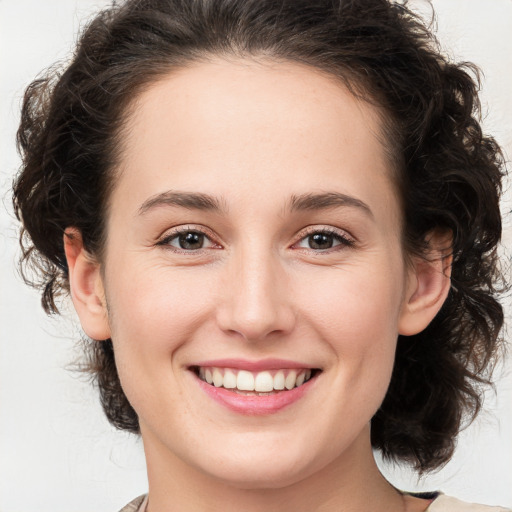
pixel 142 501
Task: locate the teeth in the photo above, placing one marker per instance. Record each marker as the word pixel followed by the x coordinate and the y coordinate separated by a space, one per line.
pixel 260 383
pixel 264 382
pixel 290 380
pixel 245 381
pixel 229 379
pixel 218 380
pixel 279 380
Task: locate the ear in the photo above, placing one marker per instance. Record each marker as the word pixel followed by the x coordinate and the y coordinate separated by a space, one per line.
pixel 428 284
pixel 86 285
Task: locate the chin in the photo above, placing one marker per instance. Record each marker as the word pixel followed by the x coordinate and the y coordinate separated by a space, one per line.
pixel 263 472
pixel 260 478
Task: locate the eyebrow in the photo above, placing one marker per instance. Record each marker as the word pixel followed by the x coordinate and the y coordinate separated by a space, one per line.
pixel 188 200
pixel 206 202
pixel 326 201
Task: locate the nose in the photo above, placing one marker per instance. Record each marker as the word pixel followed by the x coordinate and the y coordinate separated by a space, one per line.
pixel 256 299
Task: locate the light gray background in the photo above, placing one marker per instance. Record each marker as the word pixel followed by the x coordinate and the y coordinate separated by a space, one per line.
pixel 57 452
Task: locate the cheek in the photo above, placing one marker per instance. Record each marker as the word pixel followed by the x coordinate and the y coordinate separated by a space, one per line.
pixel 354 300
pixel 356 314
pixel 153 313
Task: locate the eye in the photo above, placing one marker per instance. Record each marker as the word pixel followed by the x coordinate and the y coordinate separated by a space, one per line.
pixel 322 240
pixel 187 240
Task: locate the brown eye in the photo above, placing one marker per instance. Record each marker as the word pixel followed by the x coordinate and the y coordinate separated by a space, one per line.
pixel 190 241
pixel 320 241
pixel 323 240
pixel 187 240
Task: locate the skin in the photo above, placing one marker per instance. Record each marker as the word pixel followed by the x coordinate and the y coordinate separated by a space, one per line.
pixel 252 134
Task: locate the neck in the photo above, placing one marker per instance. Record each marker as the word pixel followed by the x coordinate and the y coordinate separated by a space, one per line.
pixel 350 483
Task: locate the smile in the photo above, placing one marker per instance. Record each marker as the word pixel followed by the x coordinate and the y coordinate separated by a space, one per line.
pixel 255 388
pixel 255 383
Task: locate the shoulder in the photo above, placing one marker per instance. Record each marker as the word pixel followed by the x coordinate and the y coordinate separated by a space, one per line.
pixel 448 504
pixel 137 505
pixel 442 503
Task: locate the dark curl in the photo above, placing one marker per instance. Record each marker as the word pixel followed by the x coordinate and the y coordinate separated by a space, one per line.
pixel 447 173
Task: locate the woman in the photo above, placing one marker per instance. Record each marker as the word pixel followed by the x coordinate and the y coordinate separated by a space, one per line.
pixel 278 226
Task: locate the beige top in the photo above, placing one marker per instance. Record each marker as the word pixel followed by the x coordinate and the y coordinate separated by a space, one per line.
pixel 441 504
pixel 448 504
pixel 137 505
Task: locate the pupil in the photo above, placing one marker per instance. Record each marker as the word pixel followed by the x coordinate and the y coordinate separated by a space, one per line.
pixel 191 240
pixel 320 241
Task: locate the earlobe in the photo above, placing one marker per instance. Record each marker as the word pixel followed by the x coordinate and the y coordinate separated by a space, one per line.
pixel 86 286
pixel 428 285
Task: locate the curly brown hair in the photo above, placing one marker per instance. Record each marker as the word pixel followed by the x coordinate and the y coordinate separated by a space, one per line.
pixel 448 174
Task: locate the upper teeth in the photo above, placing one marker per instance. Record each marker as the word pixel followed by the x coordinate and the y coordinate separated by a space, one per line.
pixel 244 380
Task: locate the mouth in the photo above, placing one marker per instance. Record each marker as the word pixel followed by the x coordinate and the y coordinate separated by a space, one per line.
pixel 255 383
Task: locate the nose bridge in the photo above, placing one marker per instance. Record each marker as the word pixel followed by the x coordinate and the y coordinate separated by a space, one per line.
pixel 257 303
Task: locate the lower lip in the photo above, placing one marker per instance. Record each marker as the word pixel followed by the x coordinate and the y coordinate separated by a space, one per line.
pixel 256 404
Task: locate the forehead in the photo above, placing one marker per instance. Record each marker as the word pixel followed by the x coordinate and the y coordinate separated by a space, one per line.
pixel 272 126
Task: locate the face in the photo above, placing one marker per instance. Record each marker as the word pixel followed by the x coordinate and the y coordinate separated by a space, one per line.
pixel 254 245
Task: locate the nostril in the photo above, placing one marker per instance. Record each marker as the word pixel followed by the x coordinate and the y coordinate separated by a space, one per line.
pixel 256 313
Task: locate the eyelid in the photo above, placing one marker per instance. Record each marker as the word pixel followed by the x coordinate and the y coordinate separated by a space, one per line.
pixel 171 233
pixel 346 239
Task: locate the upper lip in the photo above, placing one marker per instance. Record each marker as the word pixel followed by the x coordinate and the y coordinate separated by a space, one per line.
pixel 253 366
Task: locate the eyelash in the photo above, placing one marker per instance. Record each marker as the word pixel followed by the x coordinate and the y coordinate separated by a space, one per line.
pixel 166 241
pixel 343 239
